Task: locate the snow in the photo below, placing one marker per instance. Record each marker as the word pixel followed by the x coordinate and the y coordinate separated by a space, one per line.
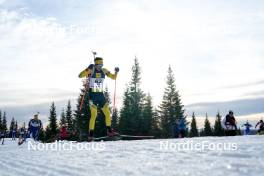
pixel 145 157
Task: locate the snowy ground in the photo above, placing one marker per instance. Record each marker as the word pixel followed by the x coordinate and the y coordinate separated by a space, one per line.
pixel 146 157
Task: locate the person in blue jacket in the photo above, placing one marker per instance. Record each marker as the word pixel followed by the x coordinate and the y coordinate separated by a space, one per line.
pixel 247 126
pixel 34 127
pixel 14 131
pixel 182 128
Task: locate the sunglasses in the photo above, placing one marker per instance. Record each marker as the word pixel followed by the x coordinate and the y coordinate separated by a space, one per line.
pixel 99 65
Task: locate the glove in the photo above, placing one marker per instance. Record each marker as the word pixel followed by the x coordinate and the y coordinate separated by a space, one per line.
pixel 116 69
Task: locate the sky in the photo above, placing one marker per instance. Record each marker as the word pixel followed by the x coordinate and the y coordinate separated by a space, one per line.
pixel 213 47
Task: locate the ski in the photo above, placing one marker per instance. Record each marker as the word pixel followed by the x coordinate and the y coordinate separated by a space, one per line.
pixel 122 137
pixel 108 138
pixel 131 137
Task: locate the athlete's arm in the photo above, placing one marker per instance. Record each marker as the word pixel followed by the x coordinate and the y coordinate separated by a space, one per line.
pixel 86 72
pixel 109 74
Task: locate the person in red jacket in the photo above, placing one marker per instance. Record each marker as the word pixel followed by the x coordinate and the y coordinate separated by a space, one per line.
pixel 63 132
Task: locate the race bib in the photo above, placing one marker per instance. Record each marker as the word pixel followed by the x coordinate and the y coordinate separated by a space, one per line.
pixel 96 84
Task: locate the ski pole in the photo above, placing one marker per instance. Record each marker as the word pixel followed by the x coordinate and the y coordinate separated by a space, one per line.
pixel 114 95
pixel 86 87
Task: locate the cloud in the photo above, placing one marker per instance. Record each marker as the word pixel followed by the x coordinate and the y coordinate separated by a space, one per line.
pixel 255 93
pixel 240 107
pixel 30 96
pixel 248 84
pixel 209 44
pixel 35 58
pixel 26 112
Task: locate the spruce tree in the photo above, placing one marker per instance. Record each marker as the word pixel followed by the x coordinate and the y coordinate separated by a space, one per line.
pixel 131 112
pixel 125 126
pixel 12 124
pixel 62 118
pixel 207 127
pixel 69 118
pixel 218 129
pixel 42 135
pixel 53 121
pixel 147 116
pixel 201 133
pixel 4 122
pixel 48 134
pixel 16 126
pixel 171 107
pixel 194 130
pixel 82 115
pixel 1 123
pixel 155 125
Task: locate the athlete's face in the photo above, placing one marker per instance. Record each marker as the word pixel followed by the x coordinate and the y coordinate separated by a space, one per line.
pixel 98 66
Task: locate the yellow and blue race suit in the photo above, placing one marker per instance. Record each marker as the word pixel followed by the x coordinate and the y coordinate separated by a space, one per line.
pixel 96 94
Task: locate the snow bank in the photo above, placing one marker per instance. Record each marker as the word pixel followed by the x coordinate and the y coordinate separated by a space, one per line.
pixel 230 156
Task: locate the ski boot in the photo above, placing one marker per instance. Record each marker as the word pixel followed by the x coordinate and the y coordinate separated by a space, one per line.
pixel 111 132
pixel 20 142
pixel 91 137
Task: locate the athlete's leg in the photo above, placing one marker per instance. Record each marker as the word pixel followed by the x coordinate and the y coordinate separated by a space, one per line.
pixel 93 109
pixel 107 113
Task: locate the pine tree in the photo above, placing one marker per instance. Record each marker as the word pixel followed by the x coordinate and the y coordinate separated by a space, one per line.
pixel 63 118
pixel 194 130
pixel 131 112
pixel 125 126
pixel 171 107
pixel 201 133
pixel 4 122
pixel 53 121
pixel 207 127
pixel 82 115
pixel 69 118
pixel 16 126
pixel 218 129
pixel 147 116
pixel 48 134
pixel 42 135
pixel 1 123
pixel 12 124
pixel 155 125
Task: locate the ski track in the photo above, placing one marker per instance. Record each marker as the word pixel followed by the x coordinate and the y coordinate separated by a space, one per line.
pixel 136 158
